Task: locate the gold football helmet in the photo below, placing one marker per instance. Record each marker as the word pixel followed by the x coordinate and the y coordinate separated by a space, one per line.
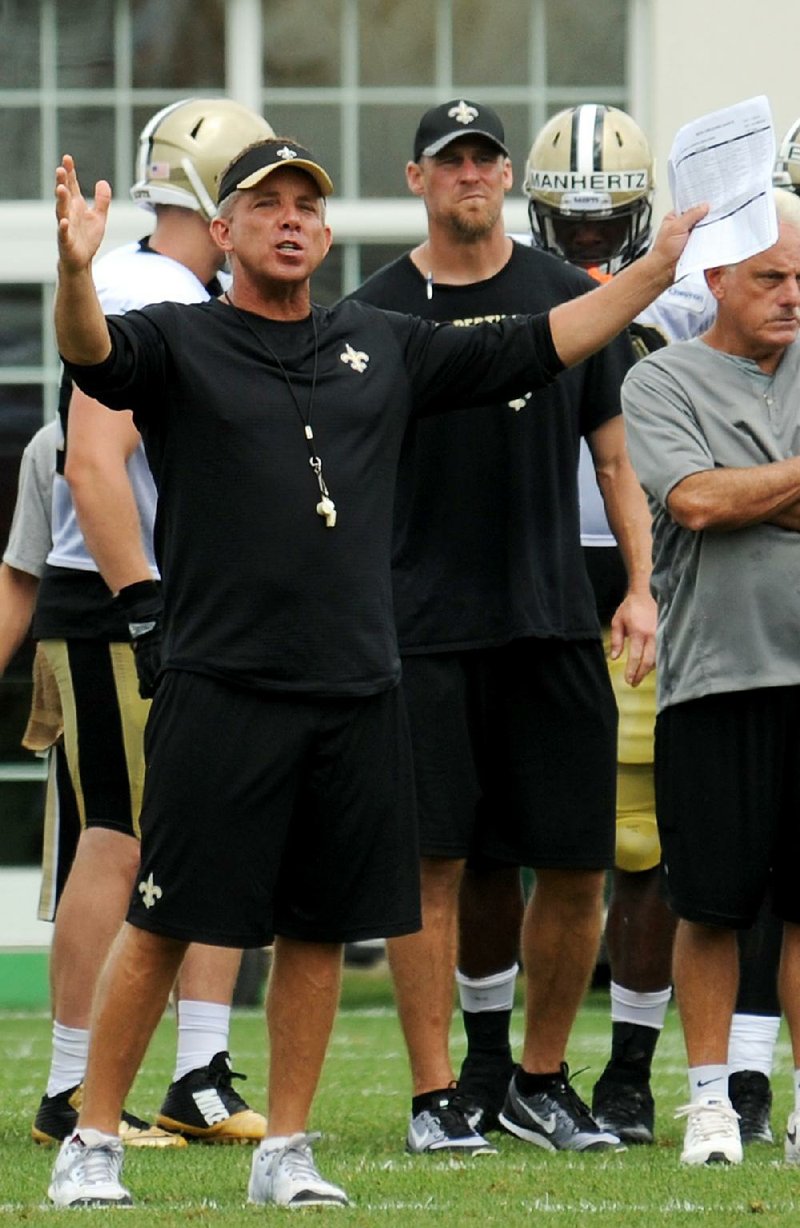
pixel 787 165
pixel 589 179
pixel 183 149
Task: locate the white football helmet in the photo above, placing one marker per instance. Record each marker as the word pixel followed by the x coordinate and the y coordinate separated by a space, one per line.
pixel 589 179
pixel 183 149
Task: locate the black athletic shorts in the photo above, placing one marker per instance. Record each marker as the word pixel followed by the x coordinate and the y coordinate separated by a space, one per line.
pixel 728 804
pixel 268 814
pixel 104 721
pixel 515 752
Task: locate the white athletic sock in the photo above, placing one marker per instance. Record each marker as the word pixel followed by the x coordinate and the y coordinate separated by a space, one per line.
pixel 707 1081
pixel 203 1029
pixel 70 1047
pixel 752 1042
pixel 487 993
pixel 648 1010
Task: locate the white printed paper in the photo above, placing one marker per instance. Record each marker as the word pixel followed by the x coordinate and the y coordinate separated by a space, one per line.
pixel 725 159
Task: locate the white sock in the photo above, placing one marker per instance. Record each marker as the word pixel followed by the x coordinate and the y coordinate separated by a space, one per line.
pixel 752 1042
pixel 708 1081
pixel 70 1048
pixel 649 1010
pixel 203 1029
pixel 487 993
pixel 797 1091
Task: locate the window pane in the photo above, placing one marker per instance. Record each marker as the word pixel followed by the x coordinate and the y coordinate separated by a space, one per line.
pixel 397 42
pixel 586 42
pixel 302 42
pixel 19 38
pixel 178 45
pixel 315 127
pixel 387 138
pixel 490 43
pixel 22 808
pixel 19 154
pixel 20 326
pixel 88 134
pixel 85 43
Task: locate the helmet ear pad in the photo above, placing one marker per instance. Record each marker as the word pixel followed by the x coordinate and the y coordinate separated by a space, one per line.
pixel 589 180
pixel 184 148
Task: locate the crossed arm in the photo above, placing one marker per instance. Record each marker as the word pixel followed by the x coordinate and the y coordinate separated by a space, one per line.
pixel 726 499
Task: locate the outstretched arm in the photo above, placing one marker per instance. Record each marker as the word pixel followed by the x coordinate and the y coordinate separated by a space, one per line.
pixel 81 330
pixel 586 324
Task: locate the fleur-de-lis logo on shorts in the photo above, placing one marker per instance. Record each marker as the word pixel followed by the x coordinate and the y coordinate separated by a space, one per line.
pixel 463 113
pixel 149 891
pixel 357 359
pixel 520 402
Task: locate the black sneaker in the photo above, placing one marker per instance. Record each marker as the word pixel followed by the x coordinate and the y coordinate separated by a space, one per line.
pixel 555 1119
pixel 442 1125
pixel 482 1084
pixel 751 1097
pixel 57 1117
pixel 203 1106
pixel 625 1107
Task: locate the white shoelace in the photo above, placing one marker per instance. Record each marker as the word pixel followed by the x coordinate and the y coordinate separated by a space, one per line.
pixel 98 1166
pixel 707 1120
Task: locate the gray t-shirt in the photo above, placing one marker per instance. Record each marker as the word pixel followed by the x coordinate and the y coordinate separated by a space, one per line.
pixel 29 540
pixel 728 601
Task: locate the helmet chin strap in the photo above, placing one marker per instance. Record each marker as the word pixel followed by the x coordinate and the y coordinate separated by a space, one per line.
pixel 206 203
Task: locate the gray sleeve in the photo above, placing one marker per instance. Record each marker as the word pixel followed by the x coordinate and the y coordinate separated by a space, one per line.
pixel 30 538
pixel 665 441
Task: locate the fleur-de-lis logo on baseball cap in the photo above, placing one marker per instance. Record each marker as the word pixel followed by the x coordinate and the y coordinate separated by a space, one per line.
pixel 463 113
pixel 286 152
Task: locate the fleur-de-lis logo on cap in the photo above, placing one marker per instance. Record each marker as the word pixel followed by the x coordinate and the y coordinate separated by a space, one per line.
pixel 286 152
pixel 463 113
pixel 357 359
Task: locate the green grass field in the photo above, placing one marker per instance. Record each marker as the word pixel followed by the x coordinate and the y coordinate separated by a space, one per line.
pixel 362 1109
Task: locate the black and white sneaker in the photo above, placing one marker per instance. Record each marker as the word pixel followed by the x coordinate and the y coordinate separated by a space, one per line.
pixel 442 1125
pixel 483 1084
pixel 751 1097
pixel 57 1118
pixel 203 1106
pixel 555 1118
pixel 624 1107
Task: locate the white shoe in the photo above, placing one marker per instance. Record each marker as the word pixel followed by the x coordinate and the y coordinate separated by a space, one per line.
pixel 791 1146
pixel 87 1171
pixel 712 1132
pixel 284 1174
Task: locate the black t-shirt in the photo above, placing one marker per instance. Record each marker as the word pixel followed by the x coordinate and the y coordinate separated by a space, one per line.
pixel 257 589
pixel 487 527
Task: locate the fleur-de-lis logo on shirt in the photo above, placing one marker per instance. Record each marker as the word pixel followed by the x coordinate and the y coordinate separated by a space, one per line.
pixel 286 152
pixel 463 113
pixel 520 402
pixel 356 359
pixel 149 891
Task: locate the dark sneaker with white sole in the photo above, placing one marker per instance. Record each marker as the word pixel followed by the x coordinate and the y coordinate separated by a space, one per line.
pixel 555 1118
pixel 624 1106
pixel 751 1097
pixel 442 1124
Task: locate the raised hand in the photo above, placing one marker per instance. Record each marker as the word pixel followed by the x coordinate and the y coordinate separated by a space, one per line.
pixel 80 226
pixel 674 231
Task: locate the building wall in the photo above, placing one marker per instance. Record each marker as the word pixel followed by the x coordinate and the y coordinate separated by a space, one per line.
pixel 707 54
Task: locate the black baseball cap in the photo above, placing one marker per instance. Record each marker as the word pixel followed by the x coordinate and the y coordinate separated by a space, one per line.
pixel 258 161
pixel 459 117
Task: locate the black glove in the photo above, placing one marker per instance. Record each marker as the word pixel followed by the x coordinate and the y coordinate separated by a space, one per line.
pixel 143 609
